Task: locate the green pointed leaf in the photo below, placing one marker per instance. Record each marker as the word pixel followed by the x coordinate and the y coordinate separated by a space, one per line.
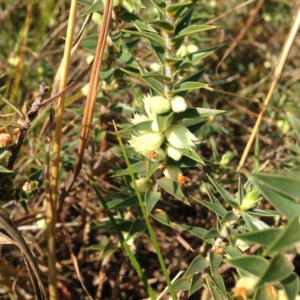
pixel 191 30
pixel 287 237
pixel 162 24
pixel 230 216
pixel 89 42
pixel 262 237
pixel 164 121
pixel 196 266
pixel 14 107
pixel 132 18
pixel 280 191
pixel 251 264
pixel 126 58
pixel 232 251
pixel 291 286
pixel 95 7
pixel 155 85
pixel 157 76
pixel 193 59
pixel 143 126
pixel 226 196
pixel 158 50
pixel 197 231
pixel 132 201
pixel 187 86
pixel 196 284
pixel 108 226
pixel 182 284
pixel 278 269
pixel 184 162
pixel 85 2
pixel 216 295
pixel 215 261
pixel 193 78
pixel 151 198
pixel 150 36
pixel 263 212
pixel 5 173
pixel 172 188
pixel 217 209
pixel 136 229
pixel 253 224
pixel 174 8
pixel 194 116
pixel 139 167
pixel 212 234
pixel 218 279
pixel 116 39
pixel 241 194
pixel 152 167
pixel 38 176
pixel 161 217
pixel 160 5
pixel 192 154
pixel 172 60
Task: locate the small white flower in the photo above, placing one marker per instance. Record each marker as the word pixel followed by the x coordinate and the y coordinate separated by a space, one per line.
pixel 138 119
pixel 173 153
pixel 156 105
pixel 147 142
pixel 142 184
pixel 180 137
pixel 158 155
pixel 178 104
pixel 172 172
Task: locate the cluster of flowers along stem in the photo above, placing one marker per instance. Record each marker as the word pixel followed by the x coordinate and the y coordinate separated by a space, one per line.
pixel 161 143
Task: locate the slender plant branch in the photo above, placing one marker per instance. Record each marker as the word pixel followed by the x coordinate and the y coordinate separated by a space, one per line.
pixel 282 58
pixel 145 215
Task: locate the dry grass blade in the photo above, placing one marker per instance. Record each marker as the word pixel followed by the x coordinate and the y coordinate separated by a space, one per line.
pixel 282 58
pixel 32 267
pixel 52 200
pixel 91 98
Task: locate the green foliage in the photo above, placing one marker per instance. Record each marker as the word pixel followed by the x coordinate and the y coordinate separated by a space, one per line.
pixel 255 219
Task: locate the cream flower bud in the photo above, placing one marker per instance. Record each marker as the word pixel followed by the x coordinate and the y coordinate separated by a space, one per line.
pixel 245 286
pixel 147 142
pixel 251 199
pixel 173 153
pixel 172 172
pixel 160 105
pixel 30 187
pixel 142 184
pixel 158 155
pixel 156 105
pixel 180 137
pixel 97 18
pixel 178 104
pixel 226 158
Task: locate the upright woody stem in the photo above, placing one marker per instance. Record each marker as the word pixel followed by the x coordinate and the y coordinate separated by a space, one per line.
pixel 170 53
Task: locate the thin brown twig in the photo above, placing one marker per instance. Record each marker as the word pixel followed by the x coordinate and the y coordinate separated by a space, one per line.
pixel 238 39
pixel 281 61
pixel 91 99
